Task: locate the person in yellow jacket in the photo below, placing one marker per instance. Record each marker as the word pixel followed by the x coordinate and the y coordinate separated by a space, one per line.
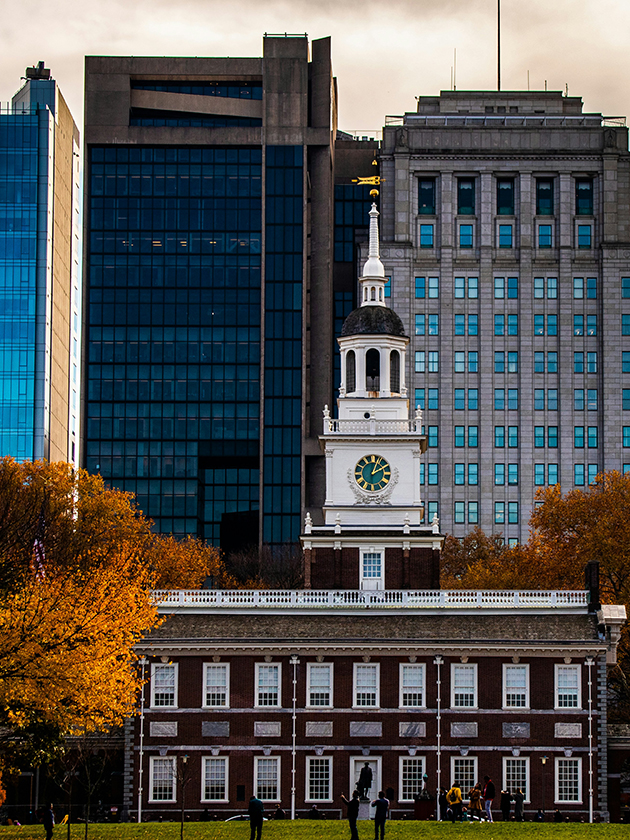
pixel 454 800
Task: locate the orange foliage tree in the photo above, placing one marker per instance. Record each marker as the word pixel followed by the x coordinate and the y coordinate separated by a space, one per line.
pixel 78 563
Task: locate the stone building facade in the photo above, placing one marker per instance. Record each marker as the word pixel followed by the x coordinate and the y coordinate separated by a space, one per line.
pixel 506 234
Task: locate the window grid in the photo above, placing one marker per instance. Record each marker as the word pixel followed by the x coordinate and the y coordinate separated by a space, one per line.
pixel 464 691
pixel 319 779
pixel 164 685
pixel 515 687
pixel 216 683
pixel 267 775
pixel 412 679
pixel 567 686
pixel 320 684
pixel 162 779
pixel 268 685
pixel 516 775
pixel 464 773
pixel 568 781
pixel 411 782
pixel 215 780
pixel 366 686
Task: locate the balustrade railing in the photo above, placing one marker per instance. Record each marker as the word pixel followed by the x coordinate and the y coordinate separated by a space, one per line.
pixel 360 599
pixel 372 427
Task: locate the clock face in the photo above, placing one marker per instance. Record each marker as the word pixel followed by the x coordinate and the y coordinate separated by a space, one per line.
pixel 372 473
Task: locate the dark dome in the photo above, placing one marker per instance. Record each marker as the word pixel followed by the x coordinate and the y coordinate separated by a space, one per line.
pixel 373 320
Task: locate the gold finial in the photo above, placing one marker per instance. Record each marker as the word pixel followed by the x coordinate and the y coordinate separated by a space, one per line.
pixel 374 162
pixel 375 180
pixel 373 193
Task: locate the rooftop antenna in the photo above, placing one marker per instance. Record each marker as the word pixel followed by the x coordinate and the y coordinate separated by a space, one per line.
pixel 498 44
pixel 455 68
pixel 528 80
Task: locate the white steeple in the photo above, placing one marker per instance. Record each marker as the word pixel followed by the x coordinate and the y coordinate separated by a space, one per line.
pixel 372 281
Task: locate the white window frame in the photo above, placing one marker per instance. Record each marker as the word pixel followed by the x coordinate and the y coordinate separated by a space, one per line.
pixel 206 666
pixel 578 669
pixel 175 667
pixel 276 758
pixel 226 762
pixel 420 666
pixel 380 581
pixel 309 761
pixel 152 762
pixel 376 666
pixel 472 758
pixel 506 668
pixel 260 665
pixel 331 670
pixel 401 760
pixel 557 800
pixel 473 665
pixel 527 791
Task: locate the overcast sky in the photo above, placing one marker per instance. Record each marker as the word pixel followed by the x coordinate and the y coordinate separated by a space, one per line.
pixel 384 53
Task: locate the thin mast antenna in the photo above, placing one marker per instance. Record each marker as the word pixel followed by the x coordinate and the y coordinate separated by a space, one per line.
pixel 498 44
pixel 455 68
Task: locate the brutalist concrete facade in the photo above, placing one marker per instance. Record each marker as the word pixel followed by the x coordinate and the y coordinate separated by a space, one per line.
pixel 558 267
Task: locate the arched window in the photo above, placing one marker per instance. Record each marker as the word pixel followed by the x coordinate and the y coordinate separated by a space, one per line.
pixel 365 293
pixel 351 372
pixel 372 370
pixel 394 371
pixel 373 293
pixel 380 294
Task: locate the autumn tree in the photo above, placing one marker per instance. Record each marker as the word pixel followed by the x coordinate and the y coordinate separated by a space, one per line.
pixel 270 567
pixel 78 563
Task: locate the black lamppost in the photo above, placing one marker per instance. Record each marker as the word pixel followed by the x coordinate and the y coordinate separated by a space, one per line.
pixel 183 780
pixel 543 760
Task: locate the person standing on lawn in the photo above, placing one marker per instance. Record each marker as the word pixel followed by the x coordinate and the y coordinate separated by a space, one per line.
pixel 256 810
pixel 474 808
pixel 382 809
pixel 506 805
pixel 454 799
pixel 48 820
pixel 519 798
pixel 353 813
pixel 489 792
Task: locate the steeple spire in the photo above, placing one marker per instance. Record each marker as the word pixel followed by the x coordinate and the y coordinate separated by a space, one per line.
pixel 373 277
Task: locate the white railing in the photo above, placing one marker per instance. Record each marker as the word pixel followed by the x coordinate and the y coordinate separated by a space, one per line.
pixel 372 427
pixel 353 598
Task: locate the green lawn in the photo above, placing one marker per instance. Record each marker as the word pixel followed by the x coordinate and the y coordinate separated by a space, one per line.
pixel 333 830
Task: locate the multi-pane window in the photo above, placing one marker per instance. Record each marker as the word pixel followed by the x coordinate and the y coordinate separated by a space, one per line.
pixel 434 361
pixel 162 775
pixel 625 287
pixel 578 437
pixel 421 287
pixel 539 436
pixel 216 685
pixel 433 436
pixel 552 437
pixel 592 437
pixel 433 399
pixel 420 324
pixel 578 325
pixel 473 399
pixel 433 473
pixel 591 287
pixel 473 513
pixel 459 473
pixel 465 196
pixel 625 399
pixel 499 287
pixel 552 474
pixel 426 236
pixel 214 784
pixel 512 361
pixel 499 324
pixel 499 436
pixel 459 361
pixel 164 685
pixel 505 196
pixel 516 775
pixel 426 196
pixel 584 197
pixel 319 779
pixel 591 325
pixel 460 513
pixel 499 474
pixel 578 399
pixel 578 474
pixel 591 362
pixel 412 686
pixel 552 399
pixel 473 361
pixel 366 685
pixel 515 686
pixel 464 773
pixel 459 325
pixel 499 513
pixel 267 778
pixel 473 474
pixel 625 361
pixel 568 780
pixel 512 473
pixel 420 361
pixel 512 437
pixel 568 689
pixel 473 324
pixel 411 782
pixel 552 287
pixel 419 398
pixel 473 436
pixel 592 473
pixel 267 685
pixel 584 236
pixel 578 362
pixel 539 324
pixel 499 361
pixel 473 287
pixel 465 236
pixel 544 202
pixel 578 288
pixel 460 435
pixel 434 287
pixel 626 436
pixel 422 472
pixel 512 287
pixel 552 325
pixel 539 475
pixel 545 236
pixel 625 324
pixel 506 236
pixel 539 399
pixel 513 513
pixel 459 400
pixel 463 686
pixel 433 323
pixel 319 683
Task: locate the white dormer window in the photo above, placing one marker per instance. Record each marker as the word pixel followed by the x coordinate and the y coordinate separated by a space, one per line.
pixel 372 569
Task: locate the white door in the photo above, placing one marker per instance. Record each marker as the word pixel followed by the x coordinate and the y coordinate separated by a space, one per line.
pixel 374 763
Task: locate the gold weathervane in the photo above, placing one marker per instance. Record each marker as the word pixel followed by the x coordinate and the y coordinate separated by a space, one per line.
pixel 375 180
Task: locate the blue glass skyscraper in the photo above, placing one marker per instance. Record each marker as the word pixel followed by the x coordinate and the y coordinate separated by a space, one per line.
pixel 39 286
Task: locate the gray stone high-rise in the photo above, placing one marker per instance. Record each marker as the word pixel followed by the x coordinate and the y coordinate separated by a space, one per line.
pixel 506 233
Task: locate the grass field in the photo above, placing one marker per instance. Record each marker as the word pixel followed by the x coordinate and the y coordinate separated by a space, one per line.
pixel 332 830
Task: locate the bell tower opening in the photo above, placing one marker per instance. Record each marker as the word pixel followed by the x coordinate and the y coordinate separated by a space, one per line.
pixel 372 370
pixel 394 371
pixel 351 372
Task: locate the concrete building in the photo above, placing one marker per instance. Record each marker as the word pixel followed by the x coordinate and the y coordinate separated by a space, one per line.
pixel 506 234
pixel 40 300
pixel 209 281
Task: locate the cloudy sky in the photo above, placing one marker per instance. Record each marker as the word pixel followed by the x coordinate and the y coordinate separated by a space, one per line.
pixel 384 53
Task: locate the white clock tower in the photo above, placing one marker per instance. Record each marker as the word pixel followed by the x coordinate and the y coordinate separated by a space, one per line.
pixel 373 536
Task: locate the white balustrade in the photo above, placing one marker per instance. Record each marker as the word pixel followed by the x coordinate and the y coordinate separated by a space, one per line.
pixel 372 427
pixel 360 599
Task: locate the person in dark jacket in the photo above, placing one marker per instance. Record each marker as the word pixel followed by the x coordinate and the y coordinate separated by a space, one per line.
pixel 353 813
pixel 519 798
pixel 443 804
pixel 48 820
pixel 489 792
pixel 256 810
pixel 382 809
pixel 506 805
pixel 280 814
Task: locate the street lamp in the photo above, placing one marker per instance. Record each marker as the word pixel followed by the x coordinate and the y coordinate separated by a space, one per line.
pixel 143 662
pixel 543 760
pixel 183 779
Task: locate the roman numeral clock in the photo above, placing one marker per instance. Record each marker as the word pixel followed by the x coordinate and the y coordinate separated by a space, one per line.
pixel 371 533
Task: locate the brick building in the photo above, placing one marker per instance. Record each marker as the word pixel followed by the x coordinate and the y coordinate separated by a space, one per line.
pixel 289 694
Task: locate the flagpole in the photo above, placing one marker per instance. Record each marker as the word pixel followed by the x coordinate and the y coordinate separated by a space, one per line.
pixel 498 44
